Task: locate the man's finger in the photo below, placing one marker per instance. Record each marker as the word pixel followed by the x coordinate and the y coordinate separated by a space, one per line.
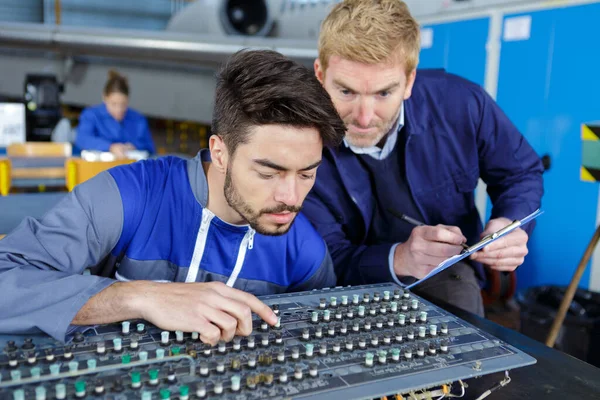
pixel 442 234
pixel 209 333
pixel 502 253
pixel 506 262
pixel 454 229
pixel 505 268
pixel 257 306
pixel 516 238
pixel 225 322
pixel 240 311
pixel 440 251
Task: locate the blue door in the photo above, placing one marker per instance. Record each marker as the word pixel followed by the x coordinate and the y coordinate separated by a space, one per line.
pixel 548 86
pixel 458 47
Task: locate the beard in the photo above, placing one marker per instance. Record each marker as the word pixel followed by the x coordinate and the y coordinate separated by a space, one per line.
pixel 362 140
pixel 235 201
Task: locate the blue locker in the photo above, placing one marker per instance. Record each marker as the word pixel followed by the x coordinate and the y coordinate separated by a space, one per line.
pixel 459 48
pixel 548 87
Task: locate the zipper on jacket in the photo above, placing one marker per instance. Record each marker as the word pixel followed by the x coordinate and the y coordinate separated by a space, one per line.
pixel 247 243
pixel 192 274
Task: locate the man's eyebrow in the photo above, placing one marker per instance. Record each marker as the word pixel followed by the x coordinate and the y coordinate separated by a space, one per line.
pixel 311 166
pixel 391 86
pixel 269 164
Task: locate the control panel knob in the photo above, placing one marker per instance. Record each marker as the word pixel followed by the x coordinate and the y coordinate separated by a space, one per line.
pixel 78 338
pixel 28 344
pixel 99 386
pixel 125 325
pixel 235 383
pixel 60 391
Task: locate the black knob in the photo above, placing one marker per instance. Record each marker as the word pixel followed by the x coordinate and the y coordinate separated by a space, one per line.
pixel 444 328
pixel 432 348
pixel 10 347
pixel 78 337
pixel 278 338
pixel 444 345
pixel 206 350
pixel 306 334
pixel 117 385
pixel 546 162
pixel 68 352
pixel 28 344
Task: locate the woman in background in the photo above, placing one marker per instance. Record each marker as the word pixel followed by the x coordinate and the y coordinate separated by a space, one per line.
pixel 113 126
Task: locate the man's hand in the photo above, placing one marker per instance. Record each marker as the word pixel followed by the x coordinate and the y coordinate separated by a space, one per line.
pixel 120 149
pixel 506 253
pixel 213 309
pixel 426 247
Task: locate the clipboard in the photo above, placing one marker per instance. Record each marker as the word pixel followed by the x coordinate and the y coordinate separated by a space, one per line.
pixel 478 246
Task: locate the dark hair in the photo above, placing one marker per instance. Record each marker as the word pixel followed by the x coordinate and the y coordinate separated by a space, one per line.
pixel 261 87
pixel 116 83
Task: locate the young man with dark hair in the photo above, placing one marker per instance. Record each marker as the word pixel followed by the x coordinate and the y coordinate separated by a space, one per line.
pixel 187 244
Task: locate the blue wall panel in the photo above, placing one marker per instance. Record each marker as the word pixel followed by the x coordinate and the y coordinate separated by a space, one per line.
pixel 21 10
pixel 459 48
pixel 124 14
pixel 548 86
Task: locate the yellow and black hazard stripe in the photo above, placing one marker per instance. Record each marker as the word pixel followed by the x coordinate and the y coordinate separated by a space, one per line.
pixel 590 155
pixel 590 132
pixel 590 174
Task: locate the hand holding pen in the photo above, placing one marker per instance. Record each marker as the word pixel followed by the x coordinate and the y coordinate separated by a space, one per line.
pixel 426 247
pixel 416 222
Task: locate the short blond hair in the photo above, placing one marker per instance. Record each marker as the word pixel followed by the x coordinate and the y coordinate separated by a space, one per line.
pixel 370 32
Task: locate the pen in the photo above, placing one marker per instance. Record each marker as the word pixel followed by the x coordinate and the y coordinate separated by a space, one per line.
pixel 415 222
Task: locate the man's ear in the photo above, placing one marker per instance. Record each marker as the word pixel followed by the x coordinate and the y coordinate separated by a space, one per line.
pixel 410 82
pixel 218 153
pixel 319 73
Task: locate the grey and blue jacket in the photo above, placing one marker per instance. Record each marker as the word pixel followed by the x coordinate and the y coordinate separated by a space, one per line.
pixel 144 221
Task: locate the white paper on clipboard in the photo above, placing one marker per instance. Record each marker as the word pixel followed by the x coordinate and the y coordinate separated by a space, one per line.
pixel 478 246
